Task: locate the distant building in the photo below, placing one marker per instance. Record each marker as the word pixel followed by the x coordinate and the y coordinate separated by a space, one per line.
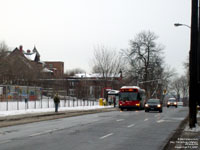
pixel 83 85
pixel 29 61
pixel 57 67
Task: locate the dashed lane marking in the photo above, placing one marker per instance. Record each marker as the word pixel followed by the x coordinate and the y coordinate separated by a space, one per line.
pixel 159 121
pixel 131 125
pixel 45 132
pixel 105 136
pixel 146 119
pixel 170 120
pixel 119 120
pixel 6 141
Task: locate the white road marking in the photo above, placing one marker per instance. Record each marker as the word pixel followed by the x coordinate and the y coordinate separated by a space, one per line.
pixel 36 134
pixel 45 132
pixel 146 119
pixel 169 120
pixel 159 121
pixel 131 125
pixel 106 136
pixel 177 118
pixel 157 115
pixel 120 120
pixel 6 141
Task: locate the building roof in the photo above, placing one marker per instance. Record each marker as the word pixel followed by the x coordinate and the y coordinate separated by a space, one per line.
pixel 33 56
pixel 94 75
pixel 46 70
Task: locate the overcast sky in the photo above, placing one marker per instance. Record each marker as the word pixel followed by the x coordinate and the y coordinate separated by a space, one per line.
pixel 68 30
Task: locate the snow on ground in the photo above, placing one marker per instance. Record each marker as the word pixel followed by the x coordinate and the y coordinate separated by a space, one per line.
pixel 45 105
pixel 31 111
pixel 196 129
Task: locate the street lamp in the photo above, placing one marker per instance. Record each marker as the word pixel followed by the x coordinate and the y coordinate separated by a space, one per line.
pixel 193 82
pixel 179 24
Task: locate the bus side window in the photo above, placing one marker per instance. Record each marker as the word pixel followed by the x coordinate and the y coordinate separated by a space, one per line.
pixel 139 97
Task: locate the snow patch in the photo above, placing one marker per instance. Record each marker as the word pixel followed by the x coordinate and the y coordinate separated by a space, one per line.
pixel 196 129
pixel 198 114
pixel 42 110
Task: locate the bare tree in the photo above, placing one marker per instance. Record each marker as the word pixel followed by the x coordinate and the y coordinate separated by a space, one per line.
pixel 180 86
pixel 146 63
pixel 184 86
pixel 107 62
pixel 4 49
pixel 4 63
pixel 72 72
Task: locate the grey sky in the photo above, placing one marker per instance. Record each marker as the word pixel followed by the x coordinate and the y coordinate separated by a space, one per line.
pixel 68 30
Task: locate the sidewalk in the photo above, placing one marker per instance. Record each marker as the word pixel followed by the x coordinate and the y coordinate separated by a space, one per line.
pixel 185 138
pixel 30 116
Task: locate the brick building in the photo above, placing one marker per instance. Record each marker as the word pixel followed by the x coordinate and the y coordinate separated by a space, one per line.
pixel 57 67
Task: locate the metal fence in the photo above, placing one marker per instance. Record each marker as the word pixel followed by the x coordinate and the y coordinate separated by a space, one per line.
pixel 44 103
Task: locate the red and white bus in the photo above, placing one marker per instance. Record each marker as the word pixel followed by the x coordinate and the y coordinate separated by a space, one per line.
pixel 131 97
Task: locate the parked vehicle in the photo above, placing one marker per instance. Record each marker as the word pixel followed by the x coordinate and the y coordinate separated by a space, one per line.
pixel 153 105
pixel 180 104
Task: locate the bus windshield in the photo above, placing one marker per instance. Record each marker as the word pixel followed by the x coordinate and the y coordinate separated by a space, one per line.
pixel 128 96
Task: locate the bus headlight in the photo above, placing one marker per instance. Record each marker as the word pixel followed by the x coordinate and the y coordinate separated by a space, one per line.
pixel 159 105
pixel 146 105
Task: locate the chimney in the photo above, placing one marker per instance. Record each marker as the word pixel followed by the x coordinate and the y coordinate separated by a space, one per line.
pixel 21 48
pixel 28 51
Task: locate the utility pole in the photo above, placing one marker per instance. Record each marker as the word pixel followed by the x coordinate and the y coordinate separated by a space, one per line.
pixel 193 83
pixel 198 53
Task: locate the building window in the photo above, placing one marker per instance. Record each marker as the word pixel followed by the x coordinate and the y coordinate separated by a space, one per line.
pixel 50 65
pixel 72 84
pixel 71 92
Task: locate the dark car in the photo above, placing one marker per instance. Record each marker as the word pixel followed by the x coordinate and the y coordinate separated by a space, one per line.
pixel 153 105
pixel 171 102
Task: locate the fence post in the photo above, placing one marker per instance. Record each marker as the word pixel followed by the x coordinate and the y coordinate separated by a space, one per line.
pixel 41 101
pixel 65 101
pixel 17 104
pixel 7 105
pixel 48 101
pixel 35 103
pixel 6 100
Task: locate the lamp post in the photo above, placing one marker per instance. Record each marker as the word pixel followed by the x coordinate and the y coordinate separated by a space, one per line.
pixel 180 24
pixel 193 63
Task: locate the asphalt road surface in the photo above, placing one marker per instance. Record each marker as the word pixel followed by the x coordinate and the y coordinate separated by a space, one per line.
pixel 116 130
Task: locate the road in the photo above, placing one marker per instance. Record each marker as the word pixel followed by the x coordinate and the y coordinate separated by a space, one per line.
pixel 116 130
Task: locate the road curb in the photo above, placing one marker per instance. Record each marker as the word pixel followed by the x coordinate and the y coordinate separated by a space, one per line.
pixel 30 118
pixel 177 134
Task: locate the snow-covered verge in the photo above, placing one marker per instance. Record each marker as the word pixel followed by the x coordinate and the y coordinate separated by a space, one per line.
pixel 31 111
pixel 196 129
pixel 44 103
pixel 18 108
